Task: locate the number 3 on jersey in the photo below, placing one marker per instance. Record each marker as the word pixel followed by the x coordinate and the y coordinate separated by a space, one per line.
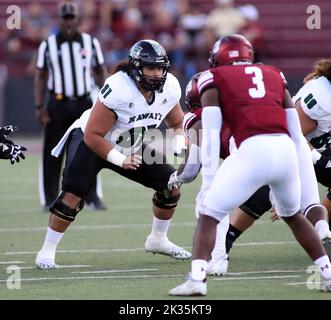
pixel 259 91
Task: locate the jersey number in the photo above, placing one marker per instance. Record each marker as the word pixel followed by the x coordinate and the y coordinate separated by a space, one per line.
pixel 106 89
pixel 259 91
pixel 310 101
pixel 133 137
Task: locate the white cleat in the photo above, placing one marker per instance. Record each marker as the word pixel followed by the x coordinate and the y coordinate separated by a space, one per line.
pixel 190 288
pixel 45 263
pixel 218 268
pixel 325 284
pixel 327 245
pixel 166 247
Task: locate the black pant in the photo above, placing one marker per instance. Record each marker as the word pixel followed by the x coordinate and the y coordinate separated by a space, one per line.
pixel 62 114
pixel 85 165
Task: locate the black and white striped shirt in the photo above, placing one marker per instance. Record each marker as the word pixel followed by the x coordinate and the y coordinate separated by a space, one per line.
pixel 70 63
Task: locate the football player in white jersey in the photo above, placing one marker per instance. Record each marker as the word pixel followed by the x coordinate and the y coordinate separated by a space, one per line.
pixel 313 104
pixel 137 97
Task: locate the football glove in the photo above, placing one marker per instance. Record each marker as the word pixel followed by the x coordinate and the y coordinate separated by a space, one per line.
pixel 324 162
pixel 174 182
pixel 5 131
pixel 13 152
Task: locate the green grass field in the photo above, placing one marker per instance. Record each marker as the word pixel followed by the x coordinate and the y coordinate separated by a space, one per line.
pixel 103 254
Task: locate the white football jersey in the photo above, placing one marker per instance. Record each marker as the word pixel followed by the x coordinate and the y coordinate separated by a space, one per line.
pixel 134 115
pixel 315 101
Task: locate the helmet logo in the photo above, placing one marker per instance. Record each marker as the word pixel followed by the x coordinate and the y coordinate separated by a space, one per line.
pixel 233 54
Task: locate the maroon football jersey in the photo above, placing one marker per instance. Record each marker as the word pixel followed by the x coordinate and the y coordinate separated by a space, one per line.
pixel 251 98
pixel 194 116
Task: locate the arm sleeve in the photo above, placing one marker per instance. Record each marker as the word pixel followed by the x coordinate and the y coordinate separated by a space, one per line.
pixel 309 186
pixel 210 146
pixel 188 171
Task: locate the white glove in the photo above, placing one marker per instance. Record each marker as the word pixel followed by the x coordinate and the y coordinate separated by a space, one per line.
pixel 174 182
pixel 179 145
pixel 199 200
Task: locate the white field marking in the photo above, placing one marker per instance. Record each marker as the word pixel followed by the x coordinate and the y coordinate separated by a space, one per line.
pixel 113 271
pixel 118 226
pixel 263 271
pixel 11 262
pixel 298 283
pixel 143 249
pixel 62 266
pixel 148 276
pixel 252 278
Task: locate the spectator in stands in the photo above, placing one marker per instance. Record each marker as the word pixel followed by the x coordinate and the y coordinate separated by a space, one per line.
pixel 225 18
pixel 252 30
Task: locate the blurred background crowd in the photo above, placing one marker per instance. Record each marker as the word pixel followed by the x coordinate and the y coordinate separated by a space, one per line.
pixel 186 28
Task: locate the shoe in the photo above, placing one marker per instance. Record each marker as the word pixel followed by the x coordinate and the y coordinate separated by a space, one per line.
pixel 219 267
pixel 166 247
pixel 45 263
pixel 190 288
pixel 96 205
pixel 327 245
pixel 325 284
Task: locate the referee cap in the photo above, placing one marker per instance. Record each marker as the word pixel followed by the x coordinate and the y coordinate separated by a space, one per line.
pixel 68 9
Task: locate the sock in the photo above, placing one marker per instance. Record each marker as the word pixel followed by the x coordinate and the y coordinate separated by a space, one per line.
pixel 324 265
pixel 232 235
pixel 199 270
pixel 322 228
pixel 160 227
pixel 52 239
pixel 219 248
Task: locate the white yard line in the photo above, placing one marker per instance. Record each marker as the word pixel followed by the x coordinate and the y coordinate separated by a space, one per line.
pixel 263 272
pixel 266 243
pixel 11 262
pixel 148 276
pixel 113 271
pixel 72 266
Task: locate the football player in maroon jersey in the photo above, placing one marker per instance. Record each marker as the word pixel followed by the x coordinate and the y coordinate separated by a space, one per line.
pixel 254 102
pixel 255 206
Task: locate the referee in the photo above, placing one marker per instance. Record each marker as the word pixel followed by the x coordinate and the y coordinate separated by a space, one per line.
pixel 66 62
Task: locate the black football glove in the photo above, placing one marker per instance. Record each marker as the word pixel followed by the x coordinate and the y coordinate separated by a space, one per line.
pixel 5 131
pixel 324 162
pixel 13 152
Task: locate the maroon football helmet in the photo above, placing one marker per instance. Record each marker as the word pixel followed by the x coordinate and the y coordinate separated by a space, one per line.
pixel 192 97
pixel 232 48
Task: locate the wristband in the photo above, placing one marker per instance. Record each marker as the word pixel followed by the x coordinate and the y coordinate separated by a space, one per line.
pixel 315 155
pixel 116 157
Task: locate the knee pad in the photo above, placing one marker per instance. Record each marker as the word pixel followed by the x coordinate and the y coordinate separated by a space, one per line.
pixel 63 211
pixel 258 203
pixel 165 200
